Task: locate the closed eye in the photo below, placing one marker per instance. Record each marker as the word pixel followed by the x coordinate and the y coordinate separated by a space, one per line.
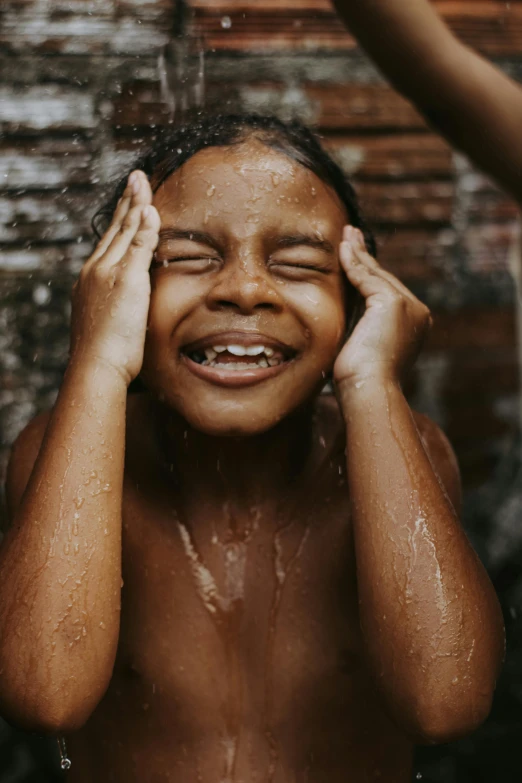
pixel 302 266
pixel 198 261
pixel 290 266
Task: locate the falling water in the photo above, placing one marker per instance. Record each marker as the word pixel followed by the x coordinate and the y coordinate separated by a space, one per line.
pixel 515 267
pixel 181 66
pixel 65 761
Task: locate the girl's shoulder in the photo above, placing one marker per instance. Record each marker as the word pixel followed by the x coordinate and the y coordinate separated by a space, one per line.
pixel 331 430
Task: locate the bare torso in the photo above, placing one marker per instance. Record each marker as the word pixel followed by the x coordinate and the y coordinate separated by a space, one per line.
pixel 240 655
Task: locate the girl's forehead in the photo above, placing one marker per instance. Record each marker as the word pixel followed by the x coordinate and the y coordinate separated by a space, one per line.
pixel 247 176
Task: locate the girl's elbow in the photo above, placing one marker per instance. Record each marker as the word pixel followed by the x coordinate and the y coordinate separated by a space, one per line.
pixel 45 718
pixel 45 709
pixel 451 719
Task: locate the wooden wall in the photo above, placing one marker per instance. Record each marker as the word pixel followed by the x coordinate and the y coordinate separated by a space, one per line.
pixel 80 94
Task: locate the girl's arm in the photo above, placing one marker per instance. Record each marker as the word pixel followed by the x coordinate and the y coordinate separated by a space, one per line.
pixel 472 103
pixel 60 561
pixel 430 618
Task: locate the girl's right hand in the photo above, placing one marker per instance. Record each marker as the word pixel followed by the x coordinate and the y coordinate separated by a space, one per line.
pixel 110 299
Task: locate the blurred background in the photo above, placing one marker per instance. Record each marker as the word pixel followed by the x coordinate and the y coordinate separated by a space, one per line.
pixel 84 86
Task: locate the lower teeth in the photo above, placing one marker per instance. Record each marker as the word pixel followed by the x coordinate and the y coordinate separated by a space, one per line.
pixel 263 364
pixel 240 365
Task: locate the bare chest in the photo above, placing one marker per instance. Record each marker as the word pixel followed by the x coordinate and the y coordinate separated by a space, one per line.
pixel 218 612
pixel 240 652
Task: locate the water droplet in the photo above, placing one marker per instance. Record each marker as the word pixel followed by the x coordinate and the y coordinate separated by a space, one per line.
pixel 41 295
pixel 226 22
pixel 65 761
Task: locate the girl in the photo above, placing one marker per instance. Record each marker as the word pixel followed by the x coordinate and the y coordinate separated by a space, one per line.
pixel 228 577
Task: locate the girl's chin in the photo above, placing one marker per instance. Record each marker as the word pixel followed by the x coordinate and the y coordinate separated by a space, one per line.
pixel 231 426
pixel 238 412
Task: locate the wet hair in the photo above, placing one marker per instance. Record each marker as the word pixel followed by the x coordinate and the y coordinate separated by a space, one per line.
pixel 177 144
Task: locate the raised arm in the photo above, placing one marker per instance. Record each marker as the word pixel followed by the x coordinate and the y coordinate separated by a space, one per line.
pixel 472 103
pixel 60 561
pixel 430 618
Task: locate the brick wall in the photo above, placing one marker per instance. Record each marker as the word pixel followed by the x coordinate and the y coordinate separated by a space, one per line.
pixel 80 95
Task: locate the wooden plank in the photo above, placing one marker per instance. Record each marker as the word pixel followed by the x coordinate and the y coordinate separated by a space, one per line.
pixel 45 164
pixel 120 28
pixel 141 26
pixel 488 247
pixel 45 217
pixel 407 203
pixel 46 108
pixel 492 27
pixel 393 156
pixel 491 205
pixel 428 254
pixel 414 255
pixel 52 259
pixel 357 107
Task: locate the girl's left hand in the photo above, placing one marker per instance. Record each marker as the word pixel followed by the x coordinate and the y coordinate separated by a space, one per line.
pixel 388 337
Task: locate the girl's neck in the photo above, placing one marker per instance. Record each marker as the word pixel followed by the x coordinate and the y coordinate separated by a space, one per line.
pixel 239 470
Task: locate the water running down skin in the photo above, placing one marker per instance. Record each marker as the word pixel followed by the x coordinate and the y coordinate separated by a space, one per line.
pixel 232 579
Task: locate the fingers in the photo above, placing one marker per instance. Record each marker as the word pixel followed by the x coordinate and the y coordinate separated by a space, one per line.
pixel 144 240
pixel 135 238
pixel 360 267
pixel 137 193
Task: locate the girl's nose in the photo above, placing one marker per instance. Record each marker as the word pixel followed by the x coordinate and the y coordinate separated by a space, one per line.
pixel 244 287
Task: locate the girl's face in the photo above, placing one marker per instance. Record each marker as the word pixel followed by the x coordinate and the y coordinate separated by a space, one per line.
pixel 247 311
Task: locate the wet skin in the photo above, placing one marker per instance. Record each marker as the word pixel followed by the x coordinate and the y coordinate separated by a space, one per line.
pixel 240 655
pixel 273 688
pixel 265 263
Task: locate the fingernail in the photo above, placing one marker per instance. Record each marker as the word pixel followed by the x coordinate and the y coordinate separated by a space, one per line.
pixel 146 211
pixel 135 185
pixel 132 177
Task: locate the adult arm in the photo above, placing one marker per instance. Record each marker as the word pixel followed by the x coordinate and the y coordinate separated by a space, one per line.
pixel 471 102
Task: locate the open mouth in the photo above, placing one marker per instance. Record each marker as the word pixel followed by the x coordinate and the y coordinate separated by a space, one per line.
pixel 243 356
pixel 237 357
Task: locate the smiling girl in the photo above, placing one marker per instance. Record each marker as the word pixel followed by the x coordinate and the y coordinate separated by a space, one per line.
pixel 228 576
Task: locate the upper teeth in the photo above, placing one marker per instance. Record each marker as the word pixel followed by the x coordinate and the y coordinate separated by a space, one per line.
pixel 238 350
